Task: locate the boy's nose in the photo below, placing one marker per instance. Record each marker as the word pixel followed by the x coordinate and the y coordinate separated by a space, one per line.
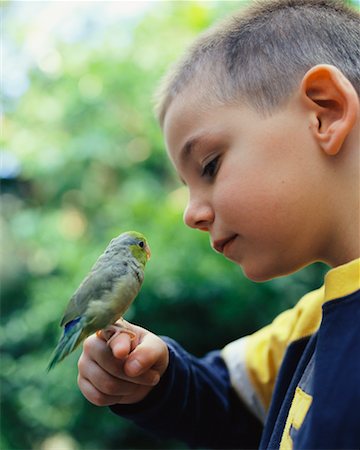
pixel 198 215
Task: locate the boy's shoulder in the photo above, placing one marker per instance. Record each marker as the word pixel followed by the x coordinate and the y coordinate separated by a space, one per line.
pixel 257 358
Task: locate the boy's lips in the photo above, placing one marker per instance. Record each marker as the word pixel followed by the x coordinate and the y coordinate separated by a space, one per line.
pixel 220 244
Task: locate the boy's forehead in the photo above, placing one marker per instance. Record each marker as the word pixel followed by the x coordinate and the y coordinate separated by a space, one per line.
pixel 186 119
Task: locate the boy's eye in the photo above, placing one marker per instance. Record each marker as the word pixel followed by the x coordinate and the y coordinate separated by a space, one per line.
pixel 210 169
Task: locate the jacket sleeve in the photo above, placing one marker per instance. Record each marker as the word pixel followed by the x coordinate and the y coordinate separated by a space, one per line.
pixel 195 403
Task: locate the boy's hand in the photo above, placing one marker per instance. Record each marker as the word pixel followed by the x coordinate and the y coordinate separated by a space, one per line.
pixel 124 371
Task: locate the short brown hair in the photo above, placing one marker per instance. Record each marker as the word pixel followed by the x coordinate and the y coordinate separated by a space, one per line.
pixel 260 54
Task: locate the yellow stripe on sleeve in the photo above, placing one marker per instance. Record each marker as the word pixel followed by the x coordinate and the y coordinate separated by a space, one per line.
pixel 266 348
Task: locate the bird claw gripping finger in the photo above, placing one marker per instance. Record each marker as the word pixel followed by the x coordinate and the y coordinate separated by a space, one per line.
pixel 110 332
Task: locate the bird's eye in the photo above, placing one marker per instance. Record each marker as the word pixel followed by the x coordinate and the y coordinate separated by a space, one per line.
pixel 141 244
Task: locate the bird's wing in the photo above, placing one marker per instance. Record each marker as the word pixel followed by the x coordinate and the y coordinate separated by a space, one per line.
pixel 94 287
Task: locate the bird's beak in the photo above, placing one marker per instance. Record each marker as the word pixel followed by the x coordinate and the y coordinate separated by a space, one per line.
pixel 148 252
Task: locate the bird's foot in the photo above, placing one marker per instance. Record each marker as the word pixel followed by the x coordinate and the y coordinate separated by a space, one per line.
pixel 112 331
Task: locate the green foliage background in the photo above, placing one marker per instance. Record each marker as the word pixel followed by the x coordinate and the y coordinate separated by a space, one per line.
pixel 84 160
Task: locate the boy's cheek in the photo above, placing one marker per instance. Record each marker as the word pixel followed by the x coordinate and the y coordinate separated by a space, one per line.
pixel 265 235
pixel 245 208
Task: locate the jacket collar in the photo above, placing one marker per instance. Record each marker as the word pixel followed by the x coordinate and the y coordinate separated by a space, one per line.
pixel 342 280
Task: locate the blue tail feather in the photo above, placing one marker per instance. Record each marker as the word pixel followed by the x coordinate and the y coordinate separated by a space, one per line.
pixel 68 342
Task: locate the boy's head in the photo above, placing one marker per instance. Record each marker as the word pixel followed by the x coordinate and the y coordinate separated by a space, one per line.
pixel 261 121
pixel 260 55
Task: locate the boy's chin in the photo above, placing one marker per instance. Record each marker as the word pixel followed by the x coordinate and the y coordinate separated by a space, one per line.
pixel 257 277
pixel 259 268
pixel 262 267
pixel 259 273
pixel 253 273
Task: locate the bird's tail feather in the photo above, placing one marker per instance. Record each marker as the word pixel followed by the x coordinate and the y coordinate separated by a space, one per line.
pixel 68 342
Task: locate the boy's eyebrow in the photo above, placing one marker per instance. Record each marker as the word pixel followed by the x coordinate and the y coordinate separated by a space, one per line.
pixel 189 147
pixel 186 151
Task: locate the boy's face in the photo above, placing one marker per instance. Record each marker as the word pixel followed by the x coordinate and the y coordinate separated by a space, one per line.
pixel 253 182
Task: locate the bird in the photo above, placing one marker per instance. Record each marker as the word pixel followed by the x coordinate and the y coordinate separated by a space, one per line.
pixel 105 294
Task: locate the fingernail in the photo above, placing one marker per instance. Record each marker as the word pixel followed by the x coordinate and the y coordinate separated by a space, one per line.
pixel 134 367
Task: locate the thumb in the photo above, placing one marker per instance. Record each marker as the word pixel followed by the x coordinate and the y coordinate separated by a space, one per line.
pixel 150 353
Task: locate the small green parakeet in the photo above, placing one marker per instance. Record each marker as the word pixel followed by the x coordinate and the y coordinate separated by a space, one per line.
pixel 105 294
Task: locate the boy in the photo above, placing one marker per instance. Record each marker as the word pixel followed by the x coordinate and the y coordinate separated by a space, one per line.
pixel 261 121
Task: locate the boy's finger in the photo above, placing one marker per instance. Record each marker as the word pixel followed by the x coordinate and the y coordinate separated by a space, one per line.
pixel 95 396
pixel 150 353
pixel 97 350
pixel 106 383
pixel 120 345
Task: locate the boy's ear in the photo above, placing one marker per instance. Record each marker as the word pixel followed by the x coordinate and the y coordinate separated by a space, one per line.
pixel 334 102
